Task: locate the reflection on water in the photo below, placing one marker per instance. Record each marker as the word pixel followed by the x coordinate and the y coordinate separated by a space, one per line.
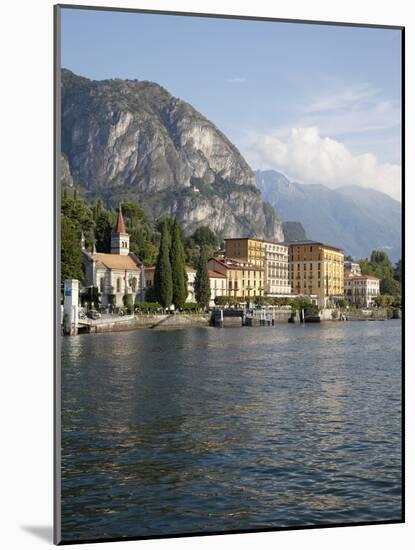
pixel 228 429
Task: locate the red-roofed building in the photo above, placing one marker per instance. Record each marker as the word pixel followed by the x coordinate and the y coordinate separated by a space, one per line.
pixel 116 274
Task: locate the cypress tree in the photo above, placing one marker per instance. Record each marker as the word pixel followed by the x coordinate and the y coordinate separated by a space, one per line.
pixel 71 255
pixel 98 208
pixel 202 283
pixel 178 267
pixel 163 285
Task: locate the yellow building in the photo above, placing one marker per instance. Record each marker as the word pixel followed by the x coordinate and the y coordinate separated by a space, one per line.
pixel 270 256
pixel 246 250
pixel 317 269
pixel 243 279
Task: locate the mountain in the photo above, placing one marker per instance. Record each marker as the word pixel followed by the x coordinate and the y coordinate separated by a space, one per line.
pixel 294 231
pixel 357 219
pixel 132 140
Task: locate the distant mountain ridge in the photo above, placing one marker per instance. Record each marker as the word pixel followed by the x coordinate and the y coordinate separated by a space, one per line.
pixel 355 218
pixel 132 140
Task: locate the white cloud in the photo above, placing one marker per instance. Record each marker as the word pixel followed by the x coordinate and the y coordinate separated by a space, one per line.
pixel 355 114
pixel 306 156
pixel 237 80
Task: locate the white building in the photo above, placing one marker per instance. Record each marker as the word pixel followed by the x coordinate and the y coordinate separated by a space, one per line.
pixel 116 274
pixel 277 275
pixel 352 267
pixel 191 276
pixel 360 290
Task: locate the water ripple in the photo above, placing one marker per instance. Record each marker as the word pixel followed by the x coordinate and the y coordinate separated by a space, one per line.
pixel 207 430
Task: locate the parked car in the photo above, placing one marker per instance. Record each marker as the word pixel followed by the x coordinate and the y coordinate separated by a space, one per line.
pixel 93 315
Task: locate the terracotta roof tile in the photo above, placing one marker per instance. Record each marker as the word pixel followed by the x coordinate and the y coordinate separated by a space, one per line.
pixel 115 261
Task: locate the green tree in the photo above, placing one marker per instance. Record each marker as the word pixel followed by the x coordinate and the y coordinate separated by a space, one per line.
pixel 380 266
pixel 150 294
pixel 71 255
pixel 341 302
pixel 365 267
pixel 162 222
pixel 178 267
pixel 204 236
pixel 390 286
pixel 98 208
pixel 132 213
pixel 397 272
pixel 202 283
pixel 81 215
pixel 103 229
pixel 127 300
pixel 142 246
pixel 163 284
pixel 222 300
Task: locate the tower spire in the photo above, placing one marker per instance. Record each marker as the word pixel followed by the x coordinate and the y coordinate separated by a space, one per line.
pixel 120 239
pixel 120 227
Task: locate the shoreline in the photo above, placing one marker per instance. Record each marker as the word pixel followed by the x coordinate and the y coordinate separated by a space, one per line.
pixel 202 320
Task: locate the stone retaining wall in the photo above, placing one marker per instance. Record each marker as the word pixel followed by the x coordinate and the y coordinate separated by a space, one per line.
pixel 152 321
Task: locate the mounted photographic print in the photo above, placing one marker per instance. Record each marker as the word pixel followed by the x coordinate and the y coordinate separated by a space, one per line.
pixel 229 274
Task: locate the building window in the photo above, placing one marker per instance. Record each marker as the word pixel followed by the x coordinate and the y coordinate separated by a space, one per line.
pixel 101 284
pixel 119 284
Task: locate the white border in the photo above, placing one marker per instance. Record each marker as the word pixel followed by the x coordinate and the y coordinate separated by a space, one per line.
pixel 27 259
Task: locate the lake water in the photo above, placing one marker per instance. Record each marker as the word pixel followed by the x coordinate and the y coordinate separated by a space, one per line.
pixel 202 430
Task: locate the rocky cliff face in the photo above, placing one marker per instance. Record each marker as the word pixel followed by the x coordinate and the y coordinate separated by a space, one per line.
pixel 132 140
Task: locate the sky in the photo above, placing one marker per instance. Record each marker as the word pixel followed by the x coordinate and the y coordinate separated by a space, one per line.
pixel 321 104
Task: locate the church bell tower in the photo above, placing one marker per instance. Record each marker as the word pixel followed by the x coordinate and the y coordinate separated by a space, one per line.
pixel 120 239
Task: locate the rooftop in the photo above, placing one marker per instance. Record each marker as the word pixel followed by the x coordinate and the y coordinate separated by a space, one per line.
pixel 215 274
pixel 188 269
pixel 236 263
pixel 255 239
pixel 115 261
pixel 360 277
pixel 309 242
